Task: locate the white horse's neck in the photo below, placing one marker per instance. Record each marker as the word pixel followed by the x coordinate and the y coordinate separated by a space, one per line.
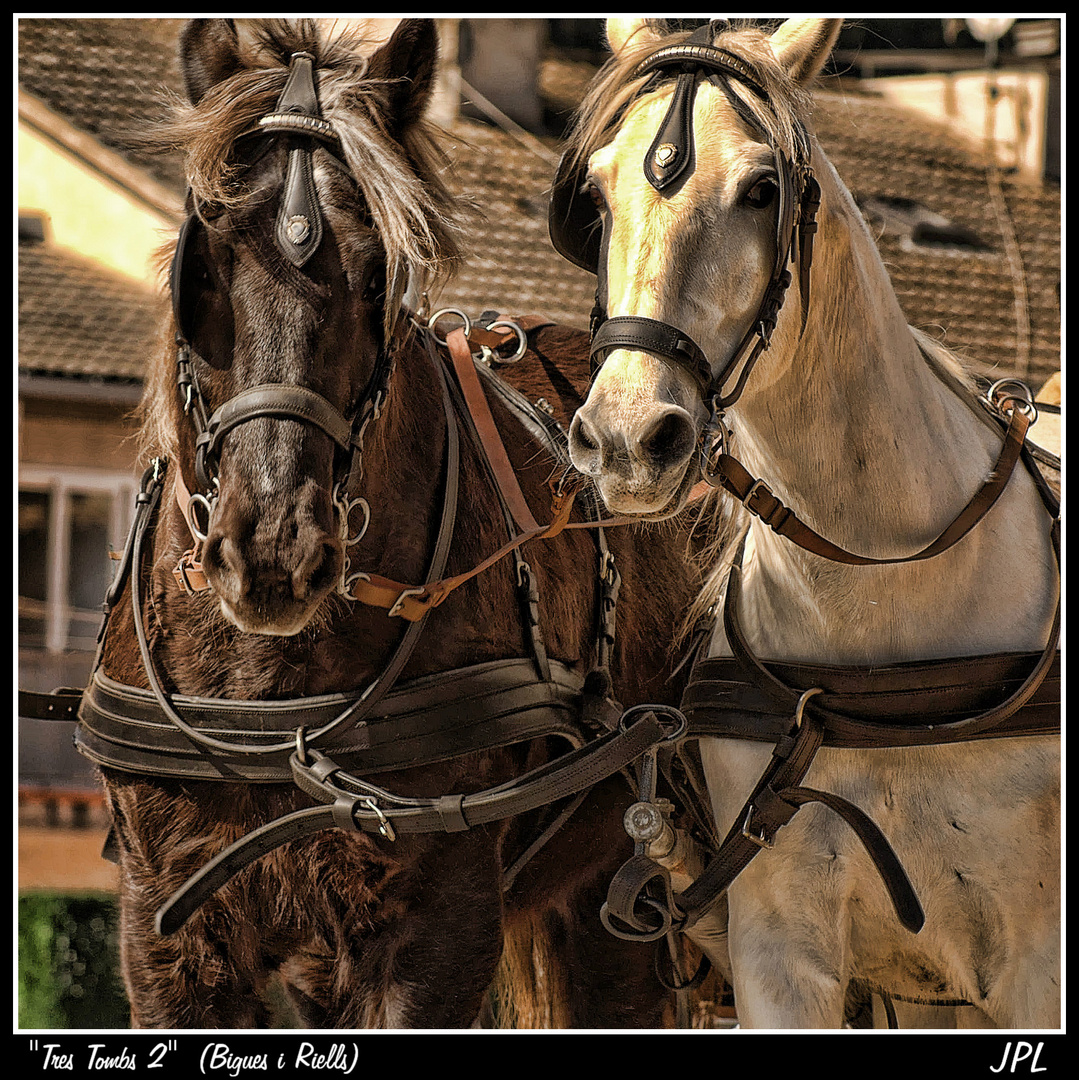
pixel 852 428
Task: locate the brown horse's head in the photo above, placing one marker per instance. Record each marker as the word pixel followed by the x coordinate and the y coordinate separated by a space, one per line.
pixel 311 203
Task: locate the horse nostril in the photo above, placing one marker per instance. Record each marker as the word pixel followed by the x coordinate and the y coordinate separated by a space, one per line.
pixel 325 569
pixel 584 447
pixel 667 440
pixel 215 556
pixel 584 435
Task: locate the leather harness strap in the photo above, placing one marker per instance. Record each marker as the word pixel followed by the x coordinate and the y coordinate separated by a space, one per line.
pixel 419 722
pixel 506 478
pixel 758 499
pixel 745 697
pixel 142 731
pixel 408 600
pixel 354 805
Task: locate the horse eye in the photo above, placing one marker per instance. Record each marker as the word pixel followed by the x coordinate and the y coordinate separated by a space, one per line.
pixel 376 285
pixel 761 194
pixel 594 193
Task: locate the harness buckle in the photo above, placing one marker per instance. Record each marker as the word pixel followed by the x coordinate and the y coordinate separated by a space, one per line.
pixel 405 594
pixel 384 827
pixel 760 839
pixel 758 486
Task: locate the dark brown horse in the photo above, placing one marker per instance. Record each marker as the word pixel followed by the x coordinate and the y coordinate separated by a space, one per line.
pixel 309 452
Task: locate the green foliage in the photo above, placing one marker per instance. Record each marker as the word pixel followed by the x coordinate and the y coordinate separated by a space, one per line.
pixel 69 963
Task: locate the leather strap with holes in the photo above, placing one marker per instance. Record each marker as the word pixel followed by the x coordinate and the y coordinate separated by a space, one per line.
pixel 758 499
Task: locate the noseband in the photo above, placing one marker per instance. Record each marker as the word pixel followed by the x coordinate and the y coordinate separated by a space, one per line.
pixel 297 235
pixel 670 160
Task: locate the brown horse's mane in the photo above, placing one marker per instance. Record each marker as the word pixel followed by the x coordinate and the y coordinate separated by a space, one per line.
pixel 400 169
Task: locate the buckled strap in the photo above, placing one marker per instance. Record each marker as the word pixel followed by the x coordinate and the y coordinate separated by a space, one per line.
pixel 369 809
pixel 774 802
pixel 60 704
pixel 758 499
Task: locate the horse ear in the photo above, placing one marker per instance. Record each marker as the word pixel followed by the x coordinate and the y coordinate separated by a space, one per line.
pixel 408 62
pixel 622 31
pixel 803 45
pixel 209 53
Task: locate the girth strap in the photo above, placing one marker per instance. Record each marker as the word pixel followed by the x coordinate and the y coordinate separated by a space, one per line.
pixel 424 720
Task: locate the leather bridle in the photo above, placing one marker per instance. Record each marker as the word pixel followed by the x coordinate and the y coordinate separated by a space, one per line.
pixel 670 160
pixel 297 234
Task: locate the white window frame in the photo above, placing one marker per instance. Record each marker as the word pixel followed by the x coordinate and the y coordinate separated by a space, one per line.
pixel 60 482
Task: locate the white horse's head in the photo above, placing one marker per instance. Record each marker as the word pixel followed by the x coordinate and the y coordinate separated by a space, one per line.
pixel 698 180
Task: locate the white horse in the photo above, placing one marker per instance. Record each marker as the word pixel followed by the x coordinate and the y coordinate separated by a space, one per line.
pixel 868 432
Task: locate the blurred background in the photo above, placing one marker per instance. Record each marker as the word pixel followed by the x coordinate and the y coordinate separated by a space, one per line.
pixel 947 132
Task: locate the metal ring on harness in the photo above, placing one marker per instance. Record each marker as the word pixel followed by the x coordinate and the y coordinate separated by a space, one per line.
pixel 198 499
pixel 679 721
pixel 449 311
pixel 644 934
pixel 522 341
pixel 1013 392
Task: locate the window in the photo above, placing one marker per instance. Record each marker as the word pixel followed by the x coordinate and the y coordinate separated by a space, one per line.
pixel 68 523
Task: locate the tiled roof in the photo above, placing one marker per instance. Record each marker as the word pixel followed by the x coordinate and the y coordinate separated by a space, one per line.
pixel 510 264
pixel 78 319
pixel 104 74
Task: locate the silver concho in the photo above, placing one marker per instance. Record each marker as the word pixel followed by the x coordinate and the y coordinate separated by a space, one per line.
pixel 298 228
pixel 665 154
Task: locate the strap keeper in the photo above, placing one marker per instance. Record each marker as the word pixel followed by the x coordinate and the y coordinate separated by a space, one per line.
pixel 343 808
pixel 451 811
pixel 773 810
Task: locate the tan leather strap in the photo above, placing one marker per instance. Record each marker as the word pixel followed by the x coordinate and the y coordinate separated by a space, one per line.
pixel 188 571
pixel 465 369
pixel 411 602
pixel 759 500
